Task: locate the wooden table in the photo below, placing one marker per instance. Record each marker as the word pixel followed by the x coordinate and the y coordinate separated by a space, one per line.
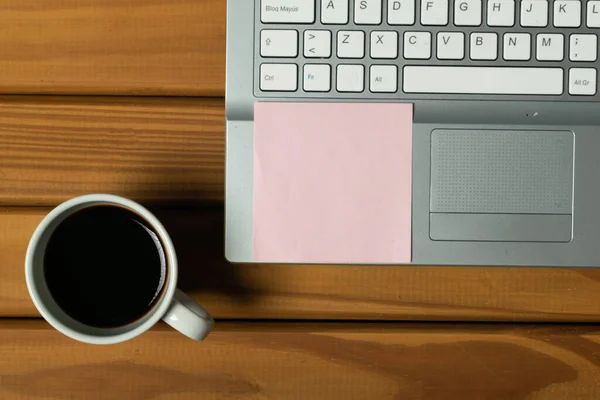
pixel 126 97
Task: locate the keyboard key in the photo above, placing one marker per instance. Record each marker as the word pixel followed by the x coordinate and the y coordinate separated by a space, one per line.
pixel 567 13
pixel 417 45
pixel 582 81
pixel 384 78
pixel 484 46
pixel 334 11
pixel 279 77
pixel 401 12
pixel 317 44
pixel 550 47
pixel 450 45
pixel 434 12
pixel 350 78
pixel 501 12
pixel 583 48
pixel 287 11
pixel 517 46
pixel 367 12
pixel 351 44
pixel 467 13
pixel 534 13
pixel 384 44
pixel 593 14
pixel 317 78
pixel 483 80
pixel 278 43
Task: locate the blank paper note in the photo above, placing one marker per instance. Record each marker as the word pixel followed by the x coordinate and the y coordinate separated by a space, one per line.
pixel 332 182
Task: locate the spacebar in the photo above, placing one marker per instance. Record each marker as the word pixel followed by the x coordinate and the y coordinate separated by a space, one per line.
pixel 483 80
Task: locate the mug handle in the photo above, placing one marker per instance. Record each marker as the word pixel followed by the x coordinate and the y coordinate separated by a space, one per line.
pixel 188 317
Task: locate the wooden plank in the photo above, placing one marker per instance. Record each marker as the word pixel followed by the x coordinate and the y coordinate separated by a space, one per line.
pixel 54 148
pixel 134 47
pixel 171 151
pixel 307 361
pixel 329 292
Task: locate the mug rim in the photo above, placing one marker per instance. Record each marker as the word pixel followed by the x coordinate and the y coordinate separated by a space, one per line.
pixel 155 313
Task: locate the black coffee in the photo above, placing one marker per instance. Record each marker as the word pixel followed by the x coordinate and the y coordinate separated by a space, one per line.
pixel 105 266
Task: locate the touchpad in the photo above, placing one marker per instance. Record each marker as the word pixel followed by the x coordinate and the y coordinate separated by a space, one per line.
pixel 495 185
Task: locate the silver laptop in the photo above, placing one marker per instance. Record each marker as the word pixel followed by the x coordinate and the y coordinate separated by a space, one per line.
pixel 504 133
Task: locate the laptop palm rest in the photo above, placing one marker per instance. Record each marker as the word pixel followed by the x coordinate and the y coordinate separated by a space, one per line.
pixel 500 185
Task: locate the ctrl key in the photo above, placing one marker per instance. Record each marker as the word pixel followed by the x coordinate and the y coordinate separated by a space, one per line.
pixel 279 77
pixel 582 81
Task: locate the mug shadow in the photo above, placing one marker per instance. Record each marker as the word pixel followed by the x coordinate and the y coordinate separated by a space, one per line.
pixel 198 234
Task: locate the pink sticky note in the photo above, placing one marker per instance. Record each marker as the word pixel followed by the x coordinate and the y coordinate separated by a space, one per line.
pixel 332 182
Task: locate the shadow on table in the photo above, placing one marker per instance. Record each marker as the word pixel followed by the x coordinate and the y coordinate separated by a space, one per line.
pixel 198 234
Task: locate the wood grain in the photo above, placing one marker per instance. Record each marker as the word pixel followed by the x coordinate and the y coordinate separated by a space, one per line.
pixel 329 292
pixel 307 361
pixel 133 47
pixel 54 148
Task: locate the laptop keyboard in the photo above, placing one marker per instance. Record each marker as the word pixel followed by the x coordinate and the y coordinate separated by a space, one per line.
pixel 408 48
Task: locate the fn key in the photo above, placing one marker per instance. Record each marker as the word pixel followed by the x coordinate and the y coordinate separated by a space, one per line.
pixel 279 77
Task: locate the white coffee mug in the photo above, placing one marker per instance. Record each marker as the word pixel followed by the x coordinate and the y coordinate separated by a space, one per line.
pixel 174 307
